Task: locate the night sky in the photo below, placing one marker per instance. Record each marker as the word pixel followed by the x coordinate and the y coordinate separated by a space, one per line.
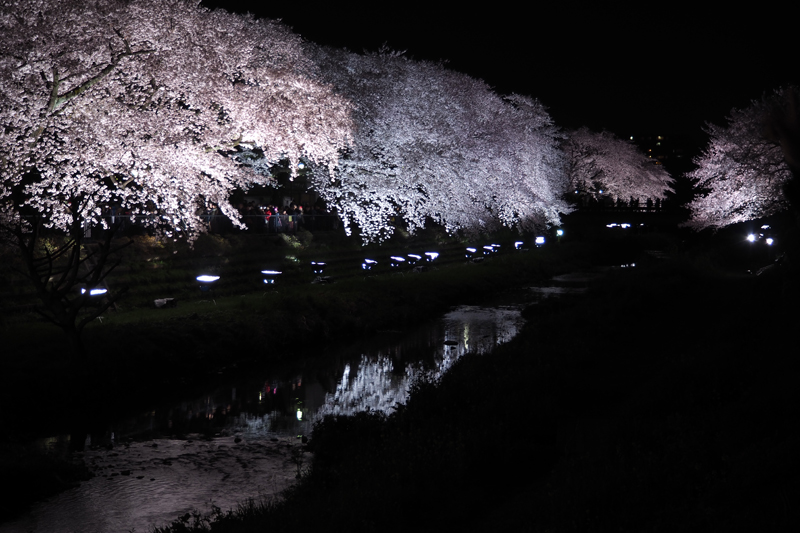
pixel 653 70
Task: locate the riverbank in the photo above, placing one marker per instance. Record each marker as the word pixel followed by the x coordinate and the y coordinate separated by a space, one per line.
pixel 140 357
pixel 665 399
pixel 607 405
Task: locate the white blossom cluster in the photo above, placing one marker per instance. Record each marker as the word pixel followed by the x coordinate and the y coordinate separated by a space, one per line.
pixel 602 165
pixel 434 144
pixel 141 105
pixel 135 103
pixel 740 174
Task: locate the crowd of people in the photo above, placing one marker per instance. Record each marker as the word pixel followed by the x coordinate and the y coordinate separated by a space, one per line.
pixel 274 219
pixel 257 218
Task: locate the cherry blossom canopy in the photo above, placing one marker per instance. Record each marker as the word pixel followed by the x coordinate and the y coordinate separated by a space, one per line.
pixel 136 103
pixel 434 144
pixel 741 174
pixel 602 165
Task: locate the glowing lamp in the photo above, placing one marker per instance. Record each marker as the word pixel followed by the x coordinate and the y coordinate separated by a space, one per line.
pixel 751 237
pixel 95 292
pixel 368 264
pixel 413 258
pixel 518 245
pixel 270 275
pixel 431 255
pixel 560 232
pixel 397 261
pixel 539 241
pixel 471 252
pixel 205 281
pixel 769 241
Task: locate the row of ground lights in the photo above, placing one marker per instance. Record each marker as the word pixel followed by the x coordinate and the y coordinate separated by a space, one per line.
pixel 318 267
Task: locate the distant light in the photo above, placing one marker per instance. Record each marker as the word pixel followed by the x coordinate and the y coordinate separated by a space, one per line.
pixel 624 225
pixel 539 241
pixel 518 244
pixel 95 292
pixel 612 225
pixel 751 237
pixel 560 232
pixel 765 226
pixel 487 249
pixel 432 255
pixel 301 165
pixel 471 252
pixel 299 414
pixel 205 278
pixel 413 258
pixel 368 264
pixel 601 191
pixel 397 260
pixel 318 267
pixel 769 241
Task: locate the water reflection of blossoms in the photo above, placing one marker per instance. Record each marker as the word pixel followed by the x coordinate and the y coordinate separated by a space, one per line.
pixel 375 383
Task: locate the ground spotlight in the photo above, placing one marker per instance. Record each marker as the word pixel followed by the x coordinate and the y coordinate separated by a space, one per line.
pixel 397 261
pixel 205 281
pixel 95 292
pixel 270 276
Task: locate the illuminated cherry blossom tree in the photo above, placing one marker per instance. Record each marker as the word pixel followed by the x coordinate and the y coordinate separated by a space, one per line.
pixel 742 173
pixel 434 144
pixel 136 104
pixel 600 165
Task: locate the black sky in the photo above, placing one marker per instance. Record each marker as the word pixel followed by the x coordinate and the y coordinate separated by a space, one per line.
pixel 658 69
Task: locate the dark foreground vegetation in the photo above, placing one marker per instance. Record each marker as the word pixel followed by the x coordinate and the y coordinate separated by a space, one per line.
pixel 665 399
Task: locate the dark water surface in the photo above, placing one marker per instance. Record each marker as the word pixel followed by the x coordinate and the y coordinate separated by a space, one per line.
pixel 243 440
